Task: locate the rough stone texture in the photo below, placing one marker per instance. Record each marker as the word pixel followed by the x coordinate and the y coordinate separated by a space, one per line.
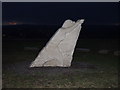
pixel 59 50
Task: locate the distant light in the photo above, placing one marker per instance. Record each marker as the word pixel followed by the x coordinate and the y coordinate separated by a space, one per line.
pixel 12 23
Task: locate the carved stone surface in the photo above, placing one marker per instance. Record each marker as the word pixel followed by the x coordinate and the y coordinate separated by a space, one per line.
pixel 59 50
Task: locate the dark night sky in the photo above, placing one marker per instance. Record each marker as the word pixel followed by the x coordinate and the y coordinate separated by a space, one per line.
pixel 56 13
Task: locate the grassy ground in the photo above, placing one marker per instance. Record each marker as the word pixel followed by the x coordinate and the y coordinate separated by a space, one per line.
pixel 101 70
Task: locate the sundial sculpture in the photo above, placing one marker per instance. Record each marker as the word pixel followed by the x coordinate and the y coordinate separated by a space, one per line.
pixel 59 49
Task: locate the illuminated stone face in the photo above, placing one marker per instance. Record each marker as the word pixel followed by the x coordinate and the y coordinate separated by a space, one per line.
pixel 59 50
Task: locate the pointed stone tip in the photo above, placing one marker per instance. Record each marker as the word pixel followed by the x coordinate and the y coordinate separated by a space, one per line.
pixel 82 20
pixel 68 23
pixel 68 20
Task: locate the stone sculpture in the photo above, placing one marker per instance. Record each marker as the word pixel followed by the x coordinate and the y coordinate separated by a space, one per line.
pixel 59 50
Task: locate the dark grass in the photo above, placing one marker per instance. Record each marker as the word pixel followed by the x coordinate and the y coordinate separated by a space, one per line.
pixel 88 70
pixel 14 48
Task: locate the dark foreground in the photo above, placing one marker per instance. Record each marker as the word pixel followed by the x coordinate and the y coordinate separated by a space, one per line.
pixel 89 69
